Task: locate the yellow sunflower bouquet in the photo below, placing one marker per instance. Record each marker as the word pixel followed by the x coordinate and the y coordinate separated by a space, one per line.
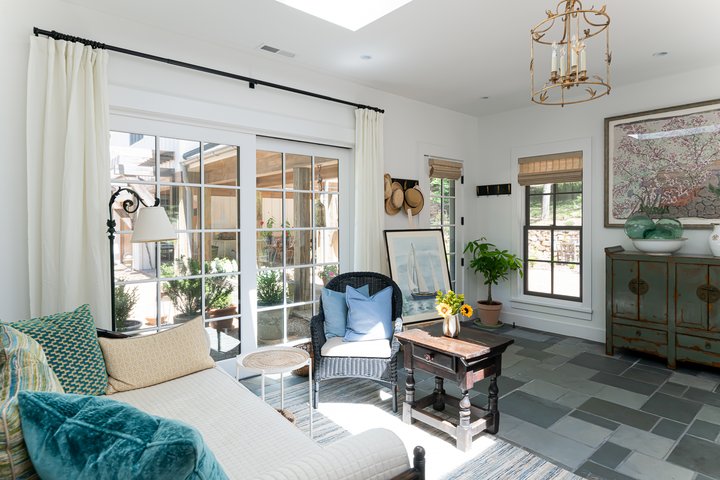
pixel 451 303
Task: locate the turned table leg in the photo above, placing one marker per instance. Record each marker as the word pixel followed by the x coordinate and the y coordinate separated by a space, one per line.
pixel 494 418
pixel 409 395
pixel 464 433
pixel 439 394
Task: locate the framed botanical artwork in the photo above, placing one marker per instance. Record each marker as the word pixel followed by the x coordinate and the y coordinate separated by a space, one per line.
pixel 664 162
pixel 418 264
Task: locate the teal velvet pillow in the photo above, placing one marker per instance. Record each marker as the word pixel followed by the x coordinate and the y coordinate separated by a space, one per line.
pixel 369 318
pixel 70 343
pixel 84 437
pixel 336 310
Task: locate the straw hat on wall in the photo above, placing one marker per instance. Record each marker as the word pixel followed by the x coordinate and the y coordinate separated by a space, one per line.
pixel 395 201
pixel 414 200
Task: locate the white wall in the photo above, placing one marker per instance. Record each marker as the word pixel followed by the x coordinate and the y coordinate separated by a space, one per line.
pixel 140 87
pixel 500 134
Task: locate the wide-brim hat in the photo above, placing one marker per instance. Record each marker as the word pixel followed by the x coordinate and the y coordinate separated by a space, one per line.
pixel 388 186
pixel 414 200
pixel 395 202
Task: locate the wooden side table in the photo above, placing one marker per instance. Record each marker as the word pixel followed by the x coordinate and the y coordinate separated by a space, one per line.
pixel 472 356
pixel 274 360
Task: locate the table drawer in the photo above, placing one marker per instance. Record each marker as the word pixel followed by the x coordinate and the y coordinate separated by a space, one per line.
pixel 434 358
pixel 642 339
pixel 698 349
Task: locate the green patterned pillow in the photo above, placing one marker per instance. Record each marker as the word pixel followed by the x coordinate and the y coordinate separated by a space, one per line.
pixel 70 343
pixel 23 367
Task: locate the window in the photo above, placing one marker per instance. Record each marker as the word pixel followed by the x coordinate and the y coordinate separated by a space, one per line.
pixel 553 225
pixel 443 194
pixel 298 239
pixel 158 285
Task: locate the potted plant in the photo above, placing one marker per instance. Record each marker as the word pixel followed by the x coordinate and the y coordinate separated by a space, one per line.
pixel 125 301
pixel 495 265
pixel 270 293
pixel 327 273
pixel 185 293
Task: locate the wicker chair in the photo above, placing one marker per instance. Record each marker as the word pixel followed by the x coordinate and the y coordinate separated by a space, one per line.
pixel 383 370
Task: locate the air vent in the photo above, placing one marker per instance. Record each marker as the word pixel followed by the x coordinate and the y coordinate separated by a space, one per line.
pixel 276 51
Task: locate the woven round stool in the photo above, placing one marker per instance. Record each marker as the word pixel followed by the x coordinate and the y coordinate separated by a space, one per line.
pixel 274 360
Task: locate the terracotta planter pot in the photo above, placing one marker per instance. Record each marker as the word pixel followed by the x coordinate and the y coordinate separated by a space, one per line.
pixel 489 313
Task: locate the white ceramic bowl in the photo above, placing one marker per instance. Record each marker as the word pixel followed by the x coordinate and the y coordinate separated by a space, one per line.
pixel 659 246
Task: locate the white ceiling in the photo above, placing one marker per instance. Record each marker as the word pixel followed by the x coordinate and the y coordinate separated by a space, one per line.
pixel 444 52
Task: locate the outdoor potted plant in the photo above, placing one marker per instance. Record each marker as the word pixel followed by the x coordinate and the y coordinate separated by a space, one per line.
pixel 270 293
pixel 327 273
pixel 125 301
pixel 495 265
pixel 185 293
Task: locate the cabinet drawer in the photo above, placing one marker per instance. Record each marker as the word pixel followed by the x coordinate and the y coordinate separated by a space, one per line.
pixel 642 339
pixel 434 358
pixel 698 350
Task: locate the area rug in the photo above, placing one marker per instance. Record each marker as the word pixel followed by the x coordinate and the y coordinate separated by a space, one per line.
pixel 350 406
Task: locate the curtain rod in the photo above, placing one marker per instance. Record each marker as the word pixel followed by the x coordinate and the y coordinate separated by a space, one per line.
pixel 251 81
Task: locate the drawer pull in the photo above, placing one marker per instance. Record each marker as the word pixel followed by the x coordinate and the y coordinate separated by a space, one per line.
pixel 638 286
pixel 708 293
pixel 708 346
pixel 429 357
pixel 638 333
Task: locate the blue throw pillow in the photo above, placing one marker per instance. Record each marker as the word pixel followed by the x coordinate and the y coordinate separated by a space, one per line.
pixel 85 437
pixel 336 310
pixel 369 318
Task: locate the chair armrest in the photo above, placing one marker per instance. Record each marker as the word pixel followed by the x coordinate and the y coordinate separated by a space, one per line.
pixel 317 332
pixel 376 454
pixel 395 343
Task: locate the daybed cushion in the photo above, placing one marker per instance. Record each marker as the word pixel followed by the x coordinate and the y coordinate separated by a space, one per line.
pixel 95 438
pixel 337 347
pixel 335 310
pixel 143 361
pixel 246 434
pixel 369 318
pixel 70 343
pixel 23 367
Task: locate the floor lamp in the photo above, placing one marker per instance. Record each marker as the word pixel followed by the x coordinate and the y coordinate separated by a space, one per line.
pixel 151 225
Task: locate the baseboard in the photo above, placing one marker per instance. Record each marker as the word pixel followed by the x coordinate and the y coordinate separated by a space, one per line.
pixel 563 328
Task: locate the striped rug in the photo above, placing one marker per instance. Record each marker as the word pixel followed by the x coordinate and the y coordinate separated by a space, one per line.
pixel 350 406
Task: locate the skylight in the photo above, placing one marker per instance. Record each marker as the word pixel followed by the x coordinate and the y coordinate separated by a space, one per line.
pixel 350 14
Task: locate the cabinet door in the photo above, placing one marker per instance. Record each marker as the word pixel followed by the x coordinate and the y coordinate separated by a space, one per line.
pixel 691 310
pixel 712 293
pixel 624 300
pixel 652 290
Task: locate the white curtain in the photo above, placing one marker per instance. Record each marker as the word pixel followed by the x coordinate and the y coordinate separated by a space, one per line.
pixel 369 167
pixel 68 177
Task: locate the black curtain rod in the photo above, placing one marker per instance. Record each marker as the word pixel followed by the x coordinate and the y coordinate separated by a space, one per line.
pixel 251 81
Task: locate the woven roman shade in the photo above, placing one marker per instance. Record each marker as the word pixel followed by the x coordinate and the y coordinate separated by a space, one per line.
pixel 441 168
pixel 556 168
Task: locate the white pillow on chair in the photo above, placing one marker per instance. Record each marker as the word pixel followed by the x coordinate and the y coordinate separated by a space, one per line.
pixel 336 347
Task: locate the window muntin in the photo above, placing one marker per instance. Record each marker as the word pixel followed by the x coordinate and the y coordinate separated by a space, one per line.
pixel 553 240
pixel 297 216
pixel 198 275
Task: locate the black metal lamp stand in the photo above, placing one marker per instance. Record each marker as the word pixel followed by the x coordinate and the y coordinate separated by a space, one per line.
pixel 130 206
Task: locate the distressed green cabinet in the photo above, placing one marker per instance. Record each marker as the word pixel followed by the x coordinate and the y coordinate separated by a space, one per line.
pixel 667 306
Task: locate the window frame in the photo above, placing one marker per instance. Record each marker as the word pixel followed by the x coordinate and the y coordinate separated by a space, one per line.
pixel 542 312
pixel 553 227
pixel 454 225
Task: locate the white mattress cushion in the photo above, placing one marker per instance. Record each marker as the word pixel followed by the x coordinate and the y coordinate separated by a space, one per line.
pixel 247 436
pixel 336 347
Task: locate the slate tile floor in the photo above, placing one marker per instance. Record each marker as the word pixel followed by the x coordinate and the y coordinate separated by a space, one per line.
pixel 620 417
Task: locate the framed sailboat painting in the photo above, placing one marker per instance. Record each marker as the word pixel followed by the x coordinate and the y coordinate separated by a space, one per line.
pixel 418 264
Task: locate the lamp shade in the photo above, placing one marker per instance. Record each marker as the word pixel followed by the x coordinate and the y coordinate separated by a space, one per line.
pixel 152 225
